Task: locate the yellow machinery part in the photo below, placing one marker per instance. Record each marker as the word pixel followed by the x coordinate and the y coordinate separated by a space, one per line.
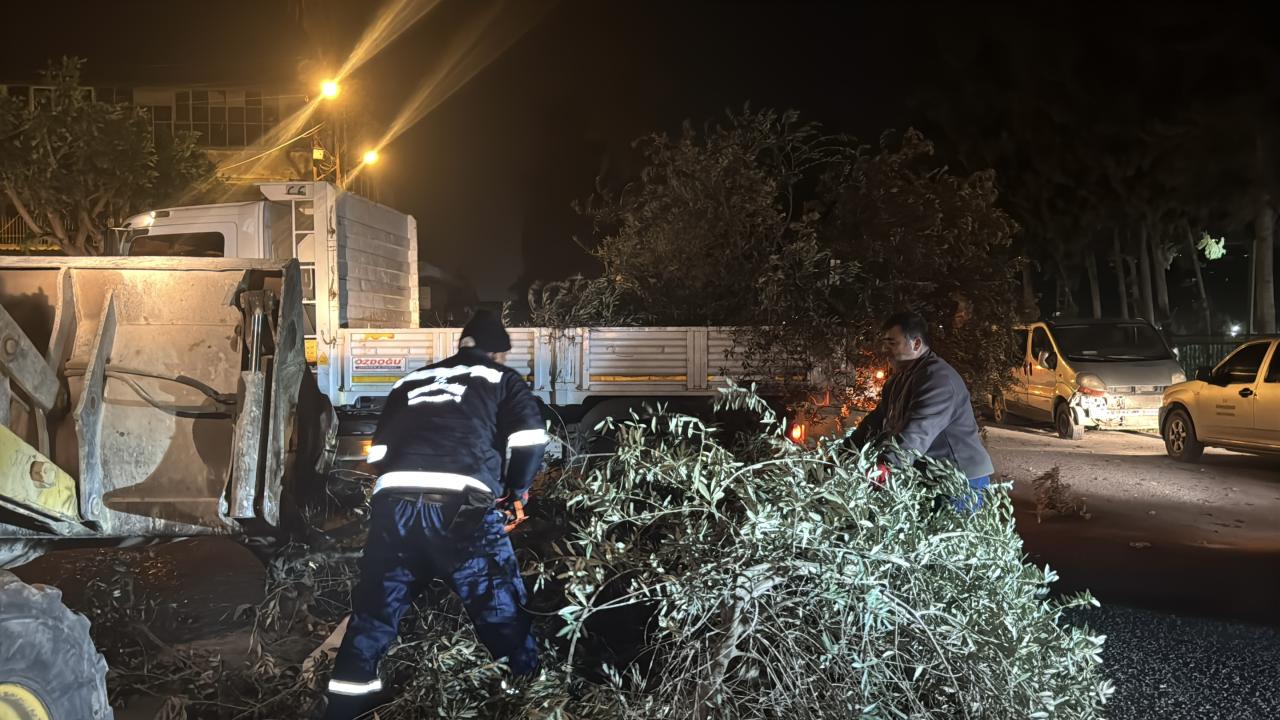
pixel 31 479
pixel 19 703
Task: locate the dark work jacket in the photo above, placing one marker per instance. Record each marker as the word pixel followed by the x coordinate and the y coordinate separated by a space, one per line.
pixel 447 428
pixel 939 420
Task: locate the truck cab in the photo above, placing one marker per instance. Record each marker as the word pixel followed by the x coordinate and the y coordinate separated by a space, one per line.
pixel 364 254
pixel 231 230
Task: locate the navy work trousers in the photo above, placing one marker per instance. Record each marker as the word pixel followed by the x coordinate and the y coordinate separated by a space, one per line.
pixel 411 542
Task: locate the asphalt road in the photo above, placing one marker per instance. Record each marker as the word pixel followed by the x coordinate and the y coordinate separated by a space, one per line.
pixel 1196 547
pixel 1201 538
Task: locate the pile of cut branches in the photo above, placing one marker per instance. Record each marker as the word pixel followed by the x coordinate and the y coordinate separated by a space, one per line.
pixel 679 577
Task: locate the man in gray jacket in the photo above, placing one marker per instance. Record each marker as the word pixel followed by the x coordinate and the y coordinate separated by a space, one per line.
pixel 925 406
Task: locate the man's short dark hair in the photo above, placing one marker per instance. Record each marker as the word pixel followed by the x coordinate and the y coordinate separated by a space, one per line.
pixel 912 324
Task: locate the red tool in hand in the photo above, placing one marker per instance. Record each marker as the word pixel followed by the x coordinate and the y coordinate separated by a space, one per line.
pixel 514 512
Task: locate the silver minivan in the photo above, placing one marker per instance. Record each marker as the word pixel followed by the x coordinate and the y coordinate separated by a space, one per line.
pixel 1077 374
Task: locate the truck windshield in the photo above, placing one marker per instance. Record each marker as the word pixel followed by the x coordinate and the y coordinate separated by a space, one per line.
pixel 196 244
pixel 1110 342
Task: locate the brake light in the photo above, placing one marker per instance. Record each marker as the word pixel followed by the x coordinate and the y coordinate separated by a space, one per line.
pixel 797 433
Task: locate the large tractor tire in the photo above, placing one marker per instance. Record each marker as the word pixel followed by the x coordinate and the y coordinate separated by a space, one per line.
pixel 49 668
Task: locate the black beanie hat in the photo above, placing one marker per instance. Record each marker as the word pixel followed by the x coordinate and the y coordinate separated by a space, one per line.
pixel 486 329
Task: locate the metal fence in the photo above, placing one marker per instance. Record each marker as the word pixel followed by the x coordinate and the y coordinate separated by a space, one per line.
pixel 12 230
pixel 16 239
pixel 1200 351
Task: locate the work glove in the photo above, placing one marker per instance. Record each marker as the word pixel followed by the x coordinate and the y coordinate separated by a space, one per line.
pixel 879 476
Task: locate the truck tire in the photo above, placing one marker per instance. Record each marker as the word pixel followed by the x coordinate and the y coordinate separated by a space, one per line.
pixel 1066 425
pixel 49 668
pixel 1180 440
pixel 19 551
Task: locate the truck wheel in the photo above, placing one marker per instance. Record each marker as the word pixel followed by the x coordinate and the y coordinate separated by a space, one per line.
pixel 1066 425
pixel 20 551
pixel 49 668
pixel 1180 439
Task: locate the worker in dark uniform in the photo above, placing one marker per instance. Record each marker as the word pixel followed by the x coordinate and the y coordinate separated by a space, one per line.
pixel 440 448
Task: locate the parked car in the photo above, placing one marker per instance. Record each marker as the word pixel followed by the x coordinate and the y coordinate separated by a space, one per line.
pixel 1077 374
pixel 1234 405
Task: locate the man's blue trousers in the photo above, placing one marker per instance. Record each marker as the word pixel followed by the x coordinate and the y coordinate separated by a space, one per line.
pixel 411 542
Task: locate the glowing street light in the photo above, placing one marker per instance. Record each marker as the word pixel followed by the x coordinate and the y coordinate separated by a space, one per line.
pixel 329 88
pixel 370 157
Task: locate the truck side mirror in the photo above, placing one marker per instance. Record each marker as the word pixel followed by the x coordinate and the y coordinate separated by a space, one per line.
pixel 1047 359
pixel 1204 374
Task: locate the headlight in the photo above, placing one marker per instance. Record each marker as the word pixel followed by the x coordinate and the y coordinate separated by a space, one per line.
pixel 1177 377
pixel 1091 384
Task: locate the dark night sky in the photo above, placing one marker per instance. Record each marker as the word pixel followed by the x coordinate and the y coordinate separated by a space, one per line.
pixel 490 174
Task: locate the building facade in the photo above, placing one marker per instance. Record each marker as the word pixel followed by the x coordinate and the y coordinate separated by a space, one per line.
pixel 251 133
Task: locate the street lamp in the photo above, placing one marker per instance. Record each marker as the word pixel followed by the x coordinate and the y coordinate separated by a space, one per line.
pixel 329 88
pixel 370 157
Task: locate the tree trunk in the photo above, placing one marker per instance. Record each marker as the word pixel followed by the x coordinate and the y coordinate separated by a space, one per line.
pixel 1194 254
pixel 1121 285
pixel 1064 301
pixel 1264 285
pixel 1144 275
pixel 1095 292
pixel 1135 293
pixel 1160 265
pixel 1028 292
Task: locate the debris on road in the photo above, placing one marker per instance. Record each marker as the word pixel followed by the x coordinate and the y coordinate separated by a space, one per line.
pixel 1053 495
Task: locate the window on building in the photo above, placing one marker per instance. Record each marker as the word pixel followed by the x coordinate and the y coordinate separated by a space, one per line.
pixel 224 118
pixel 20 91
